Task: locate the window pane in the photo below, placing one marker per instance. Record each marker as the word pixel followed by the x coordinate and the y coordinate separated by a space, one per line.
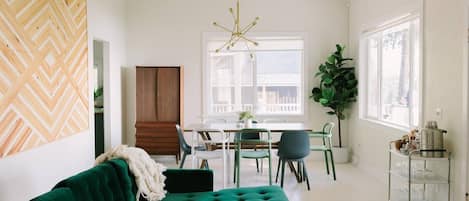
pixel 373 84
pixel 395 75
pixel 271 83
pixel 279 82
pixel 415 30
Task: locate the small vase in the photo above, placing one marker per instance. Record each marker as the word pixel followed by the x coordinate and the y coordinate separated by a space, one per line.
pixel 248 123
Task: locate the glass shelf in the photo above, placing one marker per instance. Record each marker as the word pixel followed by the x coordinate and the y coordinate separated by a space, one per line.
pixel 435 179
pixel 416 156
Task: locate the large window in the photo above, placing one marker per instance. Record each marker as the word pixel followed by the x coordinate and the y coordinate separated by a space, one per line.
pixel 390 66
pixel 266 80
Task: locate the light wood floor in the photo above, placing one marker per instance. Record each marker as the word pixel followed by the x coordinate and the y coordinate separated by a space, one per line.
pixel 352 184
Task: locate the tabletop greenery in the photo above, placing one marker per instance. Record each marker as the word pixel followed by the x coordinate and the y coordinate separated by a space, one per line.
pixel 338 86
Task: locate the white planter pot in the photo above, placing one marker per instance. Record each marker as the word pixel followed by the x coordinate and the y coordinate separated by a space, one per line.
pixel 341 155
pixel 248 123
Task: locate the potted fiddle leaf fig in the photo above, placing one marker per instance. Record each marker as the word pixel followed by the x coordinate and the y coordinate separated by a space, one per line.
pixel 337 90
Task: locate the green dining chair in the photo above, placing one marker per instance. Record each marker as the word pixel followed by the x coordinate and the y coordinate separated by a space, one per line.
pixel 294 146
pixel 263 149
pixel 326 147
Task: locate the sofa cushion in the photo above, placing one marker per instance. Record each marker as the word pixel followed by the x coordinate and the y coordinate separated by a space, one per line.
pixel 105 182
pixel 269 193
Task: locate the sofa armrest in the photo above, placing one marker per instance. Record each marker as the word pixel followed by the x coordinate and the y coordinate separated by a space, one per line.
pixel 58 194
pixel 188 180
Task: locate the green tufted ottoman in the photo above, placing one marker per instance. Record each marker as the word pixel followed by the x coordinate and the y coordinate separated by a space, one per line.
pixel 269 193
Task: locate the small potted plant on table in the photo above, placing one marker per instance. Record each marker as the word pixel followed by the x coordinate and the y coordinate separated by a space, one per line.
pixel 246 117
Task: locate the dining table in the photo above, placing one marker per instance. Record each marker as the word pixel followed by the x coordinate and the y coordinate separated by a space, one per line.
pixel 234 127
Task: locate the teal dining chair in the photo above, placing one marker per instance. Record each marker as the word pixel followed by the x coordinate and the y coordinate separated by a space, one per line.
pixel 326 147
pixel 249 147
pixel 294 146
pixel 186 148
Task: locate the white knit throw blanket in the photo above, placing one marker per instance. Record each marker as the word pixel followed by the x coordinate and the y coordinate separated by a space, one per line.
pixel 148 174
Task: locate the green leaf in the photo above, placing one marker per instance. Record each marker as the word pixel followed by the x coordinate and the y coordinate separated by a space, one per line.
pixel 331 112
pixel 328 80
pixel 328 93
pixel 323 101
pixel 318 74
pixel 331 59
pixel 322 68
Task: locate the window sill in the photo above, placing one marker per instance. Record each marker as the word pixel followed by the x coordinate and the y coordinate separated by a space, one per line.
pixel 387 124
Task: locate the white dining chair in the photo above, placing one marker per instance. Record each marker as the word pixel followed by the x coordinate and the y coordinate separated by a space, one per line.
pixel 216 148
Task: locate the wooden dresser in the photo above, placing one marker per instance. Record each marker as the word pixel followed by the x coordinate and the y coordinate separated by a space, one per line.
pixel 159 109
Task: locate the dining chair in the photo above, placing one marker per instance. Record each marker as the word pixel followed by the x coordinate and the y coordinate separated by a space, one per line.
pixel 250 136
pixel 293 147
pixel 248 146
pixel 186 148
pixel 326 147
pixel 215 148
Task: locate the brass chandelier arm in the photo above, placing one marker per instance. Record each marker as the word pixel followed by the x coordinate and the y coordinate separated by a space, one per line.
pixel 226 44
pixel 222 27
pixel 247 28
pixel 248 40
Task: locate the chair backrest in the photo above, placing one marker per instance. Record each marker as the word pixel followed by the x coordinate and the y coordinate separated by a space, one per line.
pixel 210 137
pixel 294 145
pixel 252 134
pixel 327 128
pixel 182 141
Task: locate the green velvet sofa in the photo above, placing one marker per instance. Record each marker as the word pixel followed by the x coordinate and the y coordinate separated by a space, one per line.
pixel 112 181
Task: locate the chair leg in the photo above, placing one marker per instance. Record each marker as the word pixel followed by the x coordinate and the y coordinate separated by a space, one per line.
pixel 333 164
pixel 326 160
pixel 206 165
pixel 183 159
pixel 238 167
pixel 300 175
pixel 234 169
pixel 305 174
pixel 278 170
pixel 270 168
pixel 283 173
pixel 257 165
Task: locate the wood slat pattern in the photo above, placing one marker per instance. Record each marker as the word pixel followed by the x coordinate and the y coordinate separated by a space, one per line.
pixel 43 72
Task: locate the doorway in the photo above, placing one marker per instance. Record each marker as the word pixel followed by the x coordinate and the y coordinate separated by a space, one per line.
pixel 99 62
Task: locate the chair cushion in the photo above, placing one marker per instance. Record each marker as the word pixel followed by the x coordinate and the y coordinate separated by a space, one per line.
pixel 255 154
pixel 269 193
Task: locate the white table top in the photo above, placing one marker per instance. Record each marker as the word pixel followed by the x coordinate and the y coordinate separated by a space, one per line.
pixel 235 127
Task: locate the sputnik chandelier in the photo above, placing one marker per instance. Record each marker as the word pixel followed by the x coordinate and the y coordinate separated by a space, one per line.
pixel 237 33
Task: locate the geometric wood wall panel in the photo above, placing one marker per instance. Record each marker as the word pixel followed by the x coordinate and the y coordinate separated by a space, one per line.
pixel 43 72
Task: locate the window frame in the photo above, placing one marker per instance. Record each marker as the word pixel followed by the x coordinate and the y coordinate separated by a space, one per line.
pixel 363 72
pixel 209 36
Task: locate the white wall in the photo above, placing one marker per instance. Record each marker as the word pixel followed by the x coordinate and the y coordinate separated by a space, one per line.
pixel 107 22
pixel 445 77
pixel 33 172
pixel 169 32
